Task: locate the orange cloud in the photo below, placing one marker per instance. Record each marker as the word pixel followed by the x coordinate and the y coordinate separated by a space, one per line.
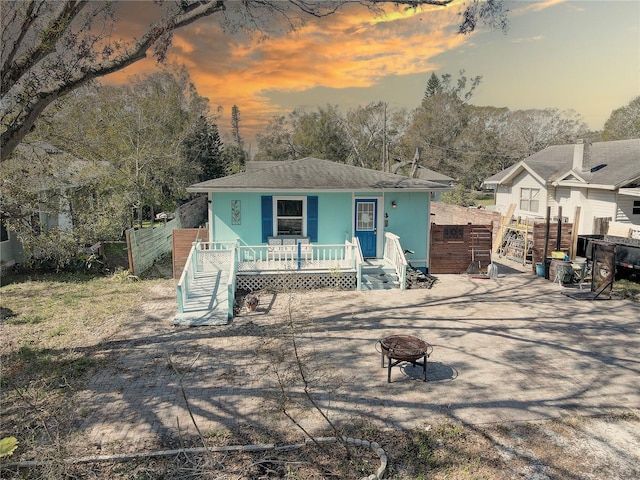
pixel 352 48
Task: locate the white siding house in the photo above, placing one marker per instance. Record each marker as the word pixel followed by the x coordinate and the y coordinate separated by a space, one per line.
pixel 603 179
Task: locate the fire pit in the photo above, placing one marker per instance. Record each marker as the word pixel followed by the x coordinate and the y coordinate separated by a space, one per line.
pixel 404 348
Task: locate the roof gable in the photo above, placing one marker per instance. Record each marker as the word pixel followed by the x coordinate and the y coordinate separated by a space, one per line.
pixel 613 164
pixel 313 174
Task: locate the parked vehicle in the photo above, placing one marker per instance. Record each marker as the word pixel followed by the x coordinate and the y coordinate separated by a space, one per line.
pixel 627 252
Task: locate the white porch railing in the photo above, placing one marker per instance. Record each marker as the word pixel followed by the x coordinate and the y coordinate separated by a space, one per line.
pixel 188 273
pixel 204 257
pixel 394 254
pixel 300 257
pixel 359 261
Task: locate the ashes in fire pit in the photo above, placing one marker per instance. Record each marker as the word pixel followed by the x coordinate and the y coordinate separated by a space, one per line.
pixel 405 348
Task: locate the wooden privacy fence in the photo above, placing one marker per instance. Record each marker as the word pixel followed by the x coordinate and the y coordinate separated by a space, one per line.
pixel 455 247
pixel 565 244
pixel 146 245
pixel 182 241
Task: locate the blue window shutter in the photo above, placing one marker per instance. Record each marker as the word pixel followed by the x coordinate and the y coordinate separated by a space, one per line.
pixel 267 217
pixel 312 218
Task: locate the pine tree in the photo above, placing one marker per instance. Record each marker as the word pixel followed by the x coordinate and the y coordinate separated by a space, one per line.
pixel 203 146
pixel 235 125
pixel 434 86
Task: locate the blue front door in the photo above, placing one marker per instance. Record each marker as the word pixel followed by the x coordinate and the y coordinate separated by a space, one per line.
pixel 366 227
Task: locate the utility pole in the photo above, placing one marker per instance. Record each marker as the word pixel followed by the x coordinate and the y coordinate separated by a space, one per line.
pixel 385 150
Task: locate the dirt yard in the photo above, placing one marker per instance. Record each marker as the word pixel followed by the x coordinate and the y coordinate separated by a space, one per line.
pixel 61 339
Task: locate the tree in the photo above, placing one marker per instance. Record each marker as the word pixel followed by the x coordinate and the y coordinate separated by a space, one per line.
pixel 535 129
pixel 373 133
pixel 56 203
pixel 277 142
pixel 234 158
pixel 437 125
pixel 235 126
pixel 139 129
pixel 624 122
pixel 319 134
pixel 434 86
pixel 51 47
pixel 203 146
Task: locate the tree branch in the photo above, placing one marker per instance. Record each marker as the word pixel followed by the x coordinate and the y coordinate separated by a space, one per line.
pixel 46 42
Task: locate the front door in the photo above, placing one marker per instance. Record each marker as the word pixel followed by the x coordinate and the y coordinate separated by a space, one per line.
pixel 366 227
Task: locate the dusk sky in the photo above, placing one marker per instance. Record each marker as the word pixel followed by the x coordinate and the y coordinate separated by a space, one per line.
pixel 580 55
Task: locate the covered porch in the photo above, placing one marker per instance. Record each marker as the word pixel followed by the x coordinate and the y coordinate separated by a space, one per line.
pixel 214 271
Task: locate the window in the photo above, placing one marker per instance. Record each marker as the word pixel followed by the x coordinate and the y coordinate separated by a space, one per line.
pixel 4 234
pixel 366 216
pixel 529 199
pixel 289 216
pixel 636 207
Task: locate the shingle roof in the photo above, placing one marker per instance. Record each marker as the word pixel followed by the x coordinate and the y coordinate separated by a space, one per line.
pixel 427 174
pixel 314 174
pixel 613 163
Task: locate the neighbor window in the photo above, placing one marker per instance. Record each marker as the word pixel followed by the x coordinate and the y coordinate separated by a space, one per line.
pixel 636 207
pixel 289 216
pixel 4 234
pixel 529 199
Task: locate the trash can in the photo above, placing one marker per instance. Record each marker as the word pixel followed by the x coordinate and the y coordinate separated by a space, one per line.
pixel 540 269
pixel 561 271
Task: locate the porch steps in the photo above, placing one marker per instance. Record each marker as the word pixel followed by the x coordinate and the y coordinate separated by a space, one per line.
pixel 208 301
pixel 379 275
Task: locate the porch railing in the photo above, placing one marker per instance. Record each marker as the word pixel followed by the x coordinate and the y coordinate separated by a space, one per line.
pixel 300 257
pixel 211 256
pixel 394 254
pixel 215 256
pixel 359 261
pixel 188 274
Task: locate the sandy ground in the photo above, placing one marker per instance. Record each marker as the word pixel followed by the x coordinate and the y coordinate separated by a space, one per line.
pixel 506 354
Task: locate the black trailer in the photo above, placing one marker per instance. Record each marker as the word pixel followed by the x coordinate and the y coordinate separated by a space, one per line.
pixel 627 252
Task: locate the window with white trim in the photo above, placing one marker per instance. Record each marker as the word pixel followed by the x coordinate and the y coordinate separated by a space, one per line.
pixel 290 216
pixel 530 199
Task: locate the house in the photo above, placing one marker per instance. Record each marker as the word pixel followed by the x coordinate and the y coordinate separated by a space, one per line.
pixel 602 178
pixel 52 176
pixel 322 220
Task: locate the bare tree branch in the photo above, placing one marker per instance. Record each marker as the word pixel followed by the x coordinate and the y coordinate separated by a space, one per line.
pixel 50 47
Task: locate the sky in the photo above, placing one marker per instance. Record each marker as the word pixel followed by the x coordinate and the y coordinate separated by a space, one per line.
pixel 571 55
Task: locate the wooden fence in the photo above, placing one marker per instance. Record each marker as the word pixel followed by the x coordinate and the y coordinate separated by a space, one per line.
pixel 455 247
pixel 539 234
pixel 182 241
pixel 146 245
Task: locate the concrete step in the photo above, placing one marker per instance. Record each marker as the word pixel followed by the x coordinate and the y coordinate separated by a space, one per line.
pixel 379 280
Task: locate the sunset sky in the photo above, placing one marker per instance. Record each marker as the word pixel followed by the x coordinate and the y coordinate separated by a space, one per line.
pixel 580 55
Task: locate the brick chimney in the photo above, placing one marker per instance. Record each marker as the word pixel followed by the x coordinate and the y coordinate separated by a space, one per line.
pixel 581 156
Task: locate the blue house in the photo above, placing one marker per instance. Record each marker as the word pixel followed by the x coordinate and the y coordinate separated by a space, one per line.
pixel 306 223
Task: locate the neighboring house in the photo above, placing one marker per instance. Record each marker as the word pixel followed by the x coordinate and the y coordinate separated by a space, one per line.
pixel 603 179
pixel 425 173
pixel 52 174
pixel 311 215
pixel 10 249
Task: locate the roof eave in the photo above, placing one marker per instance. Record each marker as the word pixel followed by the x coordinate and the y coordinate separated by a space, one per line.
pixel 435 188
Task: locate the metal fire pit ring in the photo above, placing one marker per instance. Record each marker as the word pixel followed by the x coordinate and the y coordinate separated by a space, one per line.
pixel 404 348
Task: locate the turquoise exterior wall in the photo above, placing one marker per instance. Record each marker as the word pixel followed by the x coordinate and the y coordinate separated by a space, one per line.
pixel 334 217
pixel 409 220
